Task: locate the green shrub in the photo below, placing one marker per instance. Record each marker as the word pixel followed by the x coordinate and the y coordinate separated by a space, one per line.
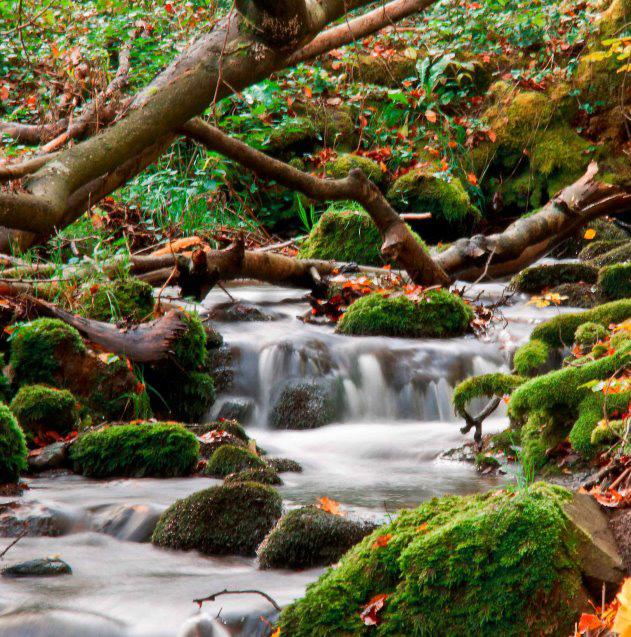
pixel 538 277
pixel 231 519
pixel 231 459
pixel 41 408
pixel 559 331
pixel 13 451
pixel 140 450
pixel 615 281
pixel 531 357
pixel 588 334
pixel 308 537
pixel 438 314
pixel 36 349
pixel 492 564
pixel 127 299
pixel 496 384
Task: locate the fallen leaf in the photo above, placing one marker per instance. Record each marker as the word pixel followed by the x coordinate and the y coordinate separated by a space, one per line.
pixel 422 527
pixel 370 613
pixel 472 179
pixel 590 233
pixel 382 541
pixel 588 622
pixel 328 505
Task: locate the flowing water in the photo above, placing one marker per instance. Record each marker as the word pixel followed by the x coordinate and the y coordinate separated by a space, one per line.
pixel 393 419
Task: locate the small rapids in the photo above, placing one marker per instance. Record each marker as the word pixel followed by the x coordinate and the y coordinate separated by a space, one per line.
pixel 393 419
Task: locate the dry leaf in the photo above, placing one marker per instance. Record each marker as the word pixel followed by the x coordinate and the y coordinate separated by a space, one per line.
pixel 369 614
pixel 328 505
pixel 382 541
pixel 590 233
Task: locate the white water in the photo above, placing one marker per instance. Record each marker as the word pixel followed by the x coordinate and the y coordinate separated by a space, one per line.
pixel 395 419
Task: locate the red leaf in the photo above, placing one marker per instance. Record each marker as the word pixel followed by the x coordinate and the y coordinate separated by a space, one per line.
pixel 588 622
pixel 382 541
pixel 369 614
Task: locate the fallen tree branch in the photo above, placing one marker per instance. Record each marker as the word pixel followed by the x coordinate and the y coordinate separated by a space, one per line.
pixel 475 422
pixel 211 598
pixel 398 242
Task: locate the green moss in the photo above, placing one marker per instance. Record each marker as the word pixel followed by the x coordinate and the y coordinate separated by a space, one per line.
pixel 493 564
pixel 438 314
pixel 616 255
pixel 139 450
pixel 589 334
pixel 381 71
pixel 539 433
pixel 283 465
pixel 604 229
pixel 538 277
pixel 231 459
pixel 615 281
pixel 298 130
pixel 559 331
pixel 230 426
pixel 489 385
pixel 607 432
pixel 448 201
pixel 345 232
pixel 600 247
pixel 36 349
pixel 485 461
pixel 309 537
pixel 591 411
pixel 531 357
pixel 506 440
pixel 229 519
pixel 41 408
pixel 523 192
pixel 262 475
pixel 187 400
pixel 189 351
pixel 127 299
pixel 13 449
pixel 564 389
pixel 340 167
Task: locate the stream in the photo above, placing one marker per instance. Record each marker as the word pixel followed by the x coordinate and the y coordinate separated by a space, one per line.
pixel 394 418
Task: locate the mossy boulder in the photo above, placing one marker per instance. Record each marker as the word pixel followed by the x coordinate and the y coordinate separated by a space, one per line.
pixel 518 547
pixel 538 277
pixel 231 459
pixel 128 299
pixel 340 167
pixel 139 450
pixel 588 334
pixel 38 349
pixel 532 358
pixel 488 385
pixel 303 404
pixel 345 232
pixel 439 314
pixel 283 465
pixel 578 295
pixel 601 246
pixel 230 426
pixel 231 519
pixel 383 71
pixel 614 281
pixel 309 537
pixel 41 408
pixel 13 451
pixel 599 229
pixel 262 475
pixel 421 190
pixel 615 255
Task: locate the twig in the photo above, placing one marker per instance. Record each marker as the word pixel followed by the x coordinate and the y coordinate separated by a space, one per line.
pixel 22 533
pixel 211 598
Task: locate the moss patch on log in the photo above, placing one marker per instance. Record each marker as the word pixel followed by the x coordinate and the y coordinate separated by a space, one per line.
pixel 489 385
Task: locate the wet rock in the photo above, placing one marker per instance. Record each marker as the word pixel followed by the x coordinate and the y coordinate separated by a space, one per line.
pixel 283 465
pixel 50 457
pixel 262 475
pixel 620 525
pixel 212 440
pixel 309 537
pixel 132 523
pixel 59 623
pixel 202 626
pixel 239 312
pixel 41 567
pixel 220 366
pixel 38 519
pixel 239 409
pixel 303 404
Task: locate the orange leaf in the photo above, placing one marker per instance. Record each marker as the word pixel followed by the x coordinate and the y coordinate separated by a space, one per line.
pixel 431 116
pixel 472 179
pixel 382 541
pixel 590 233
pixel 308 92
pixel 276 633
pixel 588 622
pixel 492 136
pixel 369 614
pixel 422 528
pixel 328 505
pixel 622 623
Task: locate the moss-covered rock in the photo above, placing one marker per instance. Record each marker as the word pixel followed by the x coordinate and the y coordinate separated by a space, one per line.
pixel 138 450
pixel 601 246
pixel 303 404
pixel 538 277
pixel 340 167
pixel 13 449
pixel 600 229
pixel 421 190
pixel 383 71
pixel 231 459
pixel 438 314
pixel 615 255
pixel 531 358
pixel 308 537
pixel 262 475
pixel 614 281
pixel 231 519
pixel 127 299
pixel 517 547
pixel 38 347
pixel 588 334
pixel 230 426
pixel 559 331
pixel 283 465
pixel 41 408
pixel 345 232
pixel 489 385
pixel 577 295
